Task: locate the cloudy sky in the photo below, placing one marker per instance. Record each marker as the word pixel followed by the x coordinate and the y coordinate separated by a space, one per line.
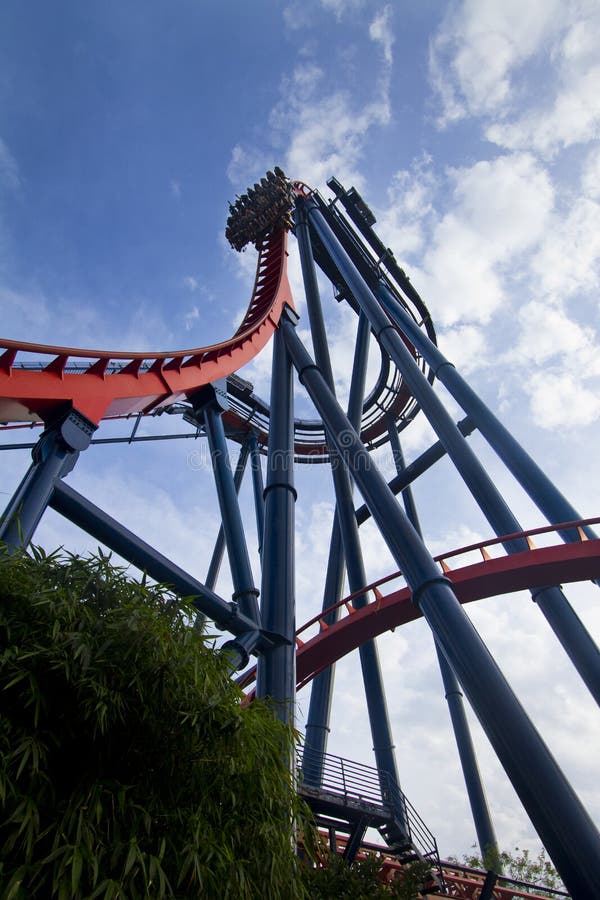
pixel 471 130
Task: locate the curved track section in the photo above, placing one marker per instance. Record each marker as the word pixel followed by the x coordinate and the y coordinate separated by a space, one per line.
pixel 550 565
pixel 389 399
pixel 537 567
pixel 36 379
pixel 102 384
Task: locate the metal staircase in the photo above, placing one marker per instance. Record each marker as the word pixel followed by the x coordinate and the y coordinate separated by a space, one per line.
pixel 347 797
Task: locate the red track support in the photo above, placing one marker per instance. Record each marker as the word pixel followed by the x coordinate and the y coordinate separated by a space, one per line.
pixel 490 577
pixel 140 382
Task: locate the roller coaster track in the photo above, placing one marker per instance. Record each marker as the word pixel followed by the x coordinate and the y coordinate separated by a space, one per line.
pixel 36 380
pixel 119 383
pixel 462 882
pixel 536 567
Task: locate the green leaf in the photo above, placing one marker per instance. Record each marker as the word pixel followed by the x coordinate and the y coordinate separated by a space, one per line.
pixel 14 885
pixel 76 867
pixel 131 858
pixel 123 728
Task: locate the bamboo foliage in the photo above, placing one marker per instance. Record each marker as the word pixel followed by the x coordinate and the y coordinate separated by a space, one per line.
pixel 128 767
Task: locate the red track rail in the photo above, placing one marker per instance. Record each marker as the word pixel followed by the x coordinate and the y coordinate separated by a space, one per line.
pixel 536 567
pixel 120 383
pixel 462 882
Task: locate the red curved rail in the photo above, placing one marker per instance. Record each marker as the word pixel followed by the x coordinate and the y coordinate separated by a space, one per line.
pixel 120 383
pixel 536 567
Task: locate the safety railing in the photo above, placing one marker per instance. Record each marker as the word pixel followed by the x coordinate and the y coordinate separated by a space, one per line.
pixel 464 883
pixel 354 782
pixel 325 619
pixel 351 781
pixel 61 360
pixel 106 383
pixel 345 607
pixel 418 833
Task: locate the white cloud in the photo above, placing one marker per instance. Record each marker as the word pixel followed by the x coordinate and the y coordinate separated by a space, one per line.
pixel 418 436
pixel 465 346
pixel 546 332
pixel 190 283
pixel 9 172
pixel 530 69
pixel 380 31
pixel 557 363
pixel 479 46
pixel 573 117
pixel 296 15
pixel 506 200
pixel 498 209
pixel 568 260
pixel 590 177
pixel 561 400
pixel 306 78
pixel 410 197
pixel 190 318
pixel 340 7
pixel 245 162
pixel 325 132
pixel 572 114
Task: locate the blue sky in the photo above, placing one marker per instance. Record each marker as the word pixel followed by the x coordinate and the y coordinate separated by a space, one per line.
pixel 471 128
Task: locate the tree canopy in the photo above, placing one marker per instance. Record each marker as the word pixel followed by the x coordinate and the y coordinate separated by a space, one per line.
pixel 520 865
pixel 336 880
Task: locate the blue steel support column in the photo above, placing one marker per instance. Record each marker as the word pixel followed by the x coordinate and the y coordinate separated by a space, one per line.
pixel 534 481
pixel 476 478
pixel 572 634
pixel 321 694
pixel 54 456
pixel 276 670
pixel 486 836
pixel 556 812
pixel 417 467
pixel 407 494
pixel 319 712
pixel 568 628
pixel 484 828
pixel 241 572
pixel 560 615
pixel 359 371
pixel 258 488
pixel 217 557
pixel 369 658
